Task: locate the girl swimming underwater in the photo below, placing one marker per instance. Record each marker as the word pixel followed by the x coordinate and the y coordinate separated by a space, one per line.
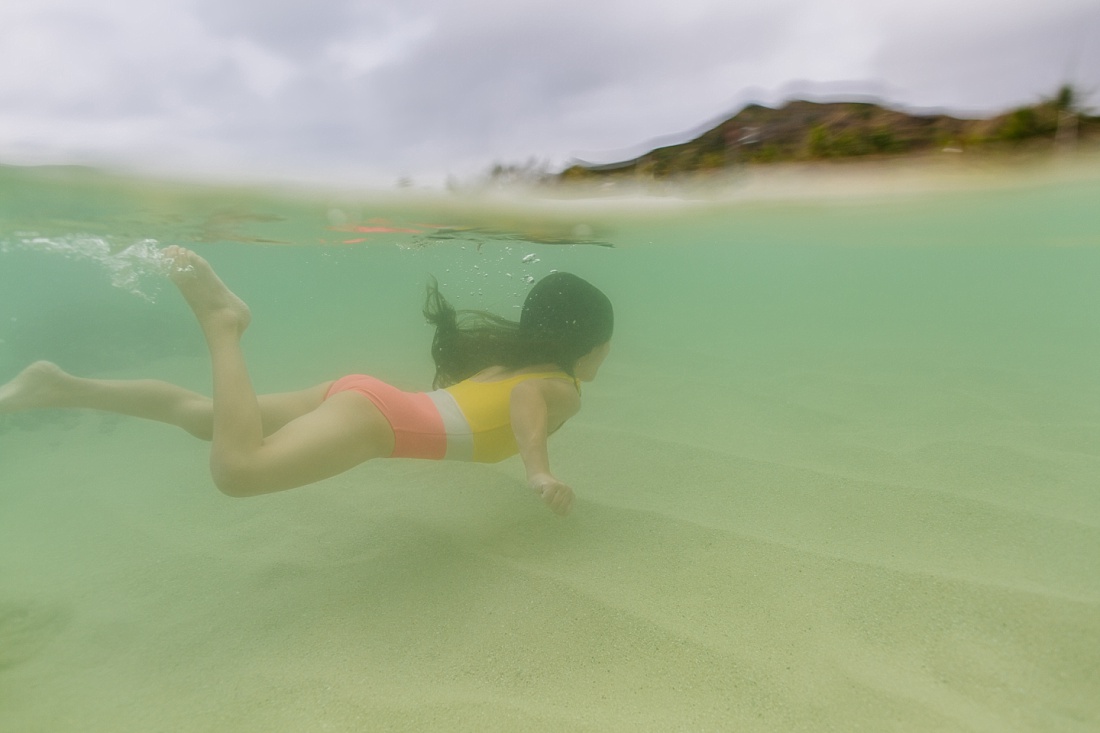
pixel 500 389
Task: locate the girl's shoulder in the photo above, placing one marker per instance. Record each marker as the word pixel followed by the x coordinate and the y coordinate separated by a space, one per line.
pixel 560 393
pixel 496 374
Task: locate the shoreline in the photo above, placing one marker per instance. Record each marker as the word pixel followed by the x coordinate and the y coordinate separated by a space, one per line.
pixel 560 214
pixel 873 177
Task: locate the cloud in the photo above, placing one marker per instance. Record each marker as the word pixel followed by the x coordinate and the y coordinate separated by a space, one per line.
pixel 502 82
pixel 296 29
pixel 381 89
pixel 986 59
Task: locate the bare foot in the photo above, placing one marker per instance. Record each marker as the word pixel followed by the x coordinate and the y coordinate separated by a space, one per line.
pixel 42 384
pixel 214 304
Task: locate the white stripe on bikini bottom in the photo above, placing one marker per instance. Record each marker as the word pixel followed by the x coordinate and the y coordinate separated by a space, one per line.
pixel 460 439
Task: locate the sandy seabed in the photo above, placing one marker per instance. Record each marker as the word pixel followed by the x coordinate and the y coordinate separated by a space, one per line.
pixel 890 530
pixel 787 559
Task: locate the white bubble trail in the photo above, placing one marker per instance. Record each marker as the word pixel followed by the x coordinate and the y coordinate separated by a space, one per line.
pixel 137 267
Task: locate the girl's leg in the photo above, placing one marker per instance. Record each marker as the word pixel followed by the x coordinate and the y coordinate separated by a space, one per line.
pixel 43 384
pixel 340 433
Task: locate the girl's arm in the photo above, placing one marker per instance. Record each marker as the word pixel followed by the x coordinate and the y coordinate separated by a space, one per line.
pixel 538 408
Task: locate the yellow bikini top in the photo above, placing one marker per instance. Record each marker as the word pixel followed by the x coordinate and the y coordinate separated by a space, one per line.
pixel 487 408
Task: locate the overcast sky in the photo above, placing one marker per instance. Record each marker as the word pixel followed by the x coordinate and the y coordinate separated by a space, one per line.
pixel 379 89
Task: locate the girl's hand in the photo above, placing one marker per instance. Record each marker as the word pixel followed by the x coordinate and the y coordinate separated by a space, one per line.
pixel 557 495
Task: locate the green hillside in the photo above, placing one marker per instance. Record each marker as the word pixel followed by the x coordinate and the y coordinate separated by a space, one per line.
pixel 813 131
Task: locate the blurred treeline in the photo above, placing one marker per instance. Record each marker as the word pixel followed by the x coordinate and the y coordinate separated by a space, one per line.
pixel 802 131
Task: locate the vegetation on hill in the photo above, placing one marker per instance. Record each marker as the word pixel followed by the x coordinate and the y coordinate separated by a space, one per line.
pixel 812 131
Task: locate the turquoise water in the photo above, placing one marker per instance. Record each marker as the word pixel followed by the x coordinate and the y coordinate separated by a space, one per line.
pixel 907 383
pixel 1002 278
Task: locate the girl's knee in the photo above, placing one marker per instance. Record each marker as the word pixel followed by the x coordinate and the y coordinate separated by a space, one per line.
pixel 236 479
pixel 197 417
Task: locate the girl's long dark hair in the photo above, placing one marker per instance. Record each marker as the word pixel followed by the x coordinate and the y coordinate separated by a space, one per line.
pixel 563 318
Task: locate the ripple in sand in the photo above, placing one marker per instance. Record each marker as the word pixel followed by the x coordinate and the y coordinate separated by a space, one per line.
pixel 26 629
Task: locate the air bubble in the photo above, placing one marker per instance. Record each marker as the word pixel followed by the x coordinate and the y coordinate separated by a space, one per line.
pixel 129 266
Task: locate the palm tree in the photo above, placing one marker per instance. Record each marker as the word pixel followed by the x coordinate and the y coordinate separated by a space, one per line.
pixel 1065 102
